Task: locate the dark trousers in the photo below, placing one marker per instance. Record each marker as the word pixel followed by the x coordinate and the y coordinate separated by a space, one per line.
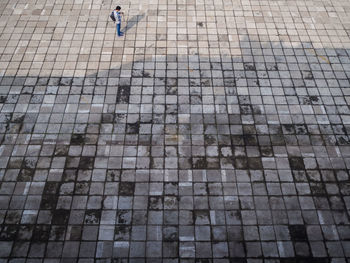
pixel 118 30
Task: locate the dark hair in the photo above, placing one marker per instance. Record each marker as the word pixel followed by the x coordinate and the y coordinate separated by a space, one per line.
pixel 118 7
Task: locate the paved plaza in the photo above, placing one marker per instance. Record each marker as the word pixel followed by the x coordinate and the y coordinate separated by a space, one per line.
pixel 213 131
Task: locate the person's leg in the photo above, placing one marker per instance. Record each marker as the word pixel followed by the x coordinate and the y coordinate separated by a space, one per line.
pixel 118 30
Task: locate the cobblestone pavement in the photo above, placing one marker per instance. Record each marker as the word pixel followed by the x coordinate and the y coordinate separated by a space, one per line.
pixel 213 131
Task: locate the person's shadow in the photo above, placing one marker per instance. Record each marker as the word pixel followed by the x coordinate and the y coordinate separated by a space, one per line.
pixel 133 21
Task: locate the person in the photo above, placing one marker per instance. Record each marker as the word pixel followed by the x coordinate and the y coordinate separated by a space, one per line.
pixel 118 19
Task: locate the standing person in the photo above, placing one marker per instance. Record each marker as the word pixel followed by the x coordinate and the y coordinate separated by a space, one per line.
pixel 118 19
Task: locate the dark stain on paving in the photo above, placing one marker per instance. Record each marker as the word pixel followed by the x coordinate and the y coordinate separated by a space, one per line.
pixel 170 233
pixel 123 94
pixel 309 100
pixel 298 232
pixel 266 151
pixel 296 163
pixel 51 188
pixel 86 162
pixel 108 118
pixel 122 232
pixel 8 232
pixel 209 139
pixel 92 216
pixel 62 150
pixel 69 175
pixel 133 128
pixel 241 163
pixel 155 202
pixel 65 81
pixel 171 188
pixel 201 217
pixel 199 163
pixel 318 189
pixel 41 233
pixel 124 217
pixel 345 188
pixel 250 139
pixel 26 175
pixel 249 66
pixel 3 99
pixel 77 139
pixel 171 82
pixel 255 163
pixel 171 90
pixel 126 188
pixel 60 217
pixel 81 188
pixel 57 232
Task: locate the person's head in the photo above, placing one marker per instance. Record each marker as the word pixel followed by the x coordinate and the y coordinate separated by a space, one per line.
pixel 118 8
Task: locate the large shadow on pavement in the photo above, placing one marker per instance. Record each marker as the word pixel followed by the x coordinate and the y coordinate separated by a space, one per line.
pixel 274 114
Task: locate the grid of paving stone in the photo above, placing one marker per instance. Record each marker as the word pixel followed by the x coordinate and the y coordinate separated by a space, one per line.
pixel 213 131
